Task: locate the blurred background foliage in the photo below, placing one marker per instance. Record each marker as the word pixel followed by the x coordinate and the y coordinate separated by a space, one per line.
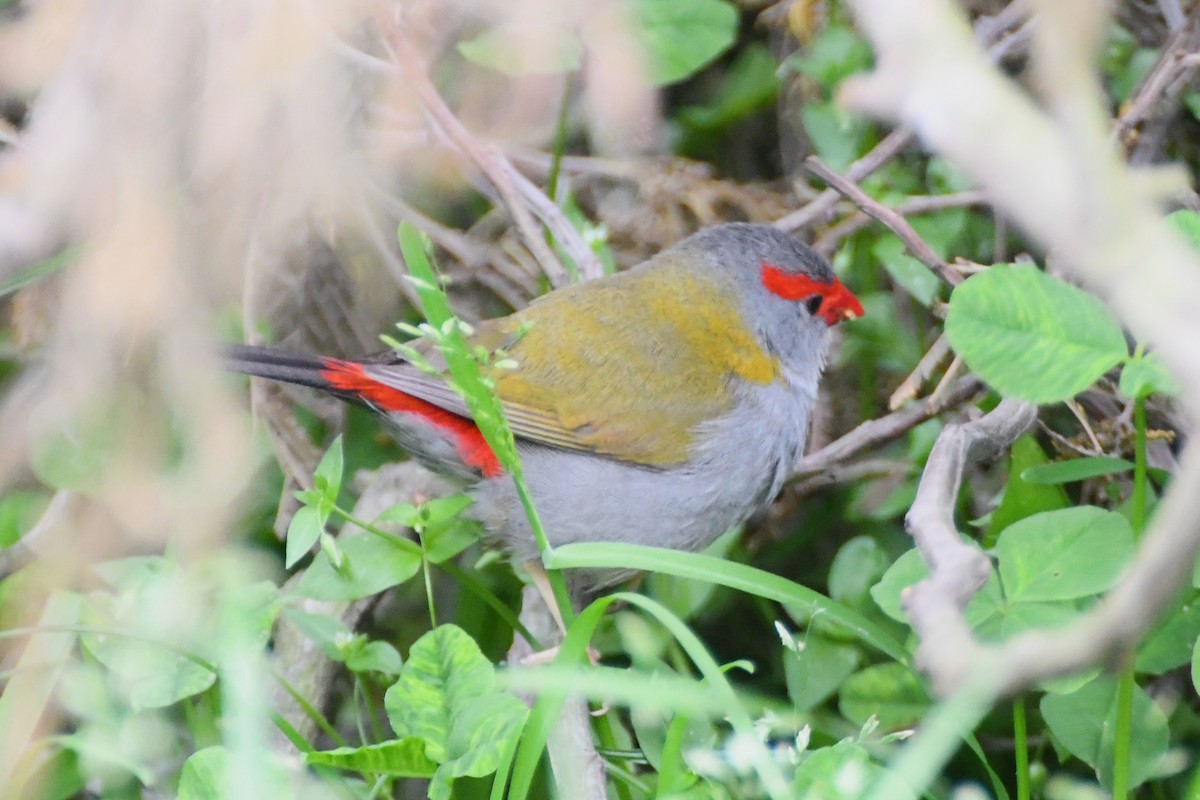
pixel 213 172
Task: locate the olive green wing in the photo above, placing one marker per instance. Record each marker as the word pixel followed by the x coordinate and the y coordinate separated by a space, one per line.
pixel 600 369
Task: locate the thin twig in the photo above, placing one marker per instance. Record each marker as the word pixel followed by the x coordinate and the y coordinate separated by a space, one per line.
pixel 912 206
pixel 489 160
pixel 908 389
pixel 894 221
pixel 822 205
pixel 1164 84
pixel 876 432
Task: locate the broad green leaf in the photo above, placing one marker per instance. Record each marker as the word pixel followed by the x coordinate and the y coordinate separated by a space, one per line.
pixel 909 569
pixel 480 734
pixel 1169 644
pixel 1075 469
pixel 518 50
pixel 373 563
pixel 817 670
pixel 303 531
pixel 858 565
pixel 206 775
pixel 1146 374
pixel 681 36
pixel 445 671
pixel 367 656
pixel 1084 722
pixel 203 775
pixel 1030 335
pixel 401 758
pixel 836 134
pixel 836 53
pixel 892 693
pixel 1019 617
pixel 908 273
pixel 844 771
pixel 1021 497
pixel 1063 555
pixel 750 84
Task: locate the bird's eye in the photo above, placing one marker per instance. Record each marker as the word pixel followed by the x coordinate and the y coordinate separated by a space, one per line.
pixel 813 304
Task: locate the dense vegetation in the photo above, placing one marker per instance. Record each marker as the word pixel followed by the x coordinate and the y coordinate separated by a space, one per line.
pixel 159 639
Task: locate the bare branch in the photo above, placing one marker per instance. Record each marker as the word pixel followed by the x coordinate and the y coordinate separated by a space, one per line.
pixel 1050 167
pixel 515 190
pixel 876 432
pixel 958 569
pixel 894 221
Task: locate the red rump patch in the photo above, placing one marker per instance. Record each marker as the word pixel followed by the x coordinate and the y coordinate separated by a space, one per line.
pixel 349 377
pixel 838 302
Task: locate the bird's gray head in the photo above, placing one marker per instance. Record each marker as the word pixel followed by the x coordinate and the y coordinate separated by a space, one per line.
pixel 788 292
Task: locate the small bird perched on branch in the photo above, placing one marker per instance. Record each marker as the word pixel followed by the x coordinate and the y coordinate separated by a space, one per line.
pixel 659 406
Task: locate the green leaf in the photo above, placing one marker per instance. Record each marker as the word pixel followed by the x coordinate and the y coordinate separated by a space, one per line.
pixel 303 531
pixel 482 732
pixel 1023 498
pixel 203 775
pixel 1063 555
pixel 836 53
pixel 817 670
pixel 858 565
pixel 373 563
pixel 681 36
pixel 836 134
pixel 1145 374
pixel 844 771
pixel 516 50
pixel 909 569
pixel 1075 469
pixel 445 671
pixel 889 692
pixel 1169 644
pixel 327 478
pixel 207 774
pixel 1030 335
pixel 445 531
pixel 400 758
pixel 368 656
pixel 909 274
pixel 1084 722
pixel 749 85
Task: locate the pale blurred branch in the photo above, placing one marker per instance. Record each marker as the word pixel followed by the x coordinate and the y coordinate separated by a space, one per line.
pixel 520 197
pixel 1051 168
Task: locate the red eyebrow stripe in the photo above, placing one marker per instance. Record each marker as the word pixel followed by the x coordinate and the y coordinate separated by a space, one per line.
pixel 839 302
pixel 792 287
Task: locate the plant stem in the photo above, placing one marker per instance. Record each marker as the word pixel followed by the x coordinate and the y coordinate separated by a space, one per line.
pixel 428 583
pixel 1123 733
pixel 1021 739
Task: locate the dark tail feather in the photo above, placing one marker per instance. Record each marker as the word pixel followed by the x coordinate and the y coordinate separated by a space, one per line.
pixel 277 365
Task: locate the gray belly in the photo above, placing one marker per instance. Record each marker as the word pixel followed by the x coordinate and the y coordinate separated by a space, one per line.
pixel 735 471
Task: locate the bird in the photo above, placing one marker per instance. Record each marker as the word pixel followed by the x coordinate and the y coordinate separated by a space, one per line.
pixel 662 405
